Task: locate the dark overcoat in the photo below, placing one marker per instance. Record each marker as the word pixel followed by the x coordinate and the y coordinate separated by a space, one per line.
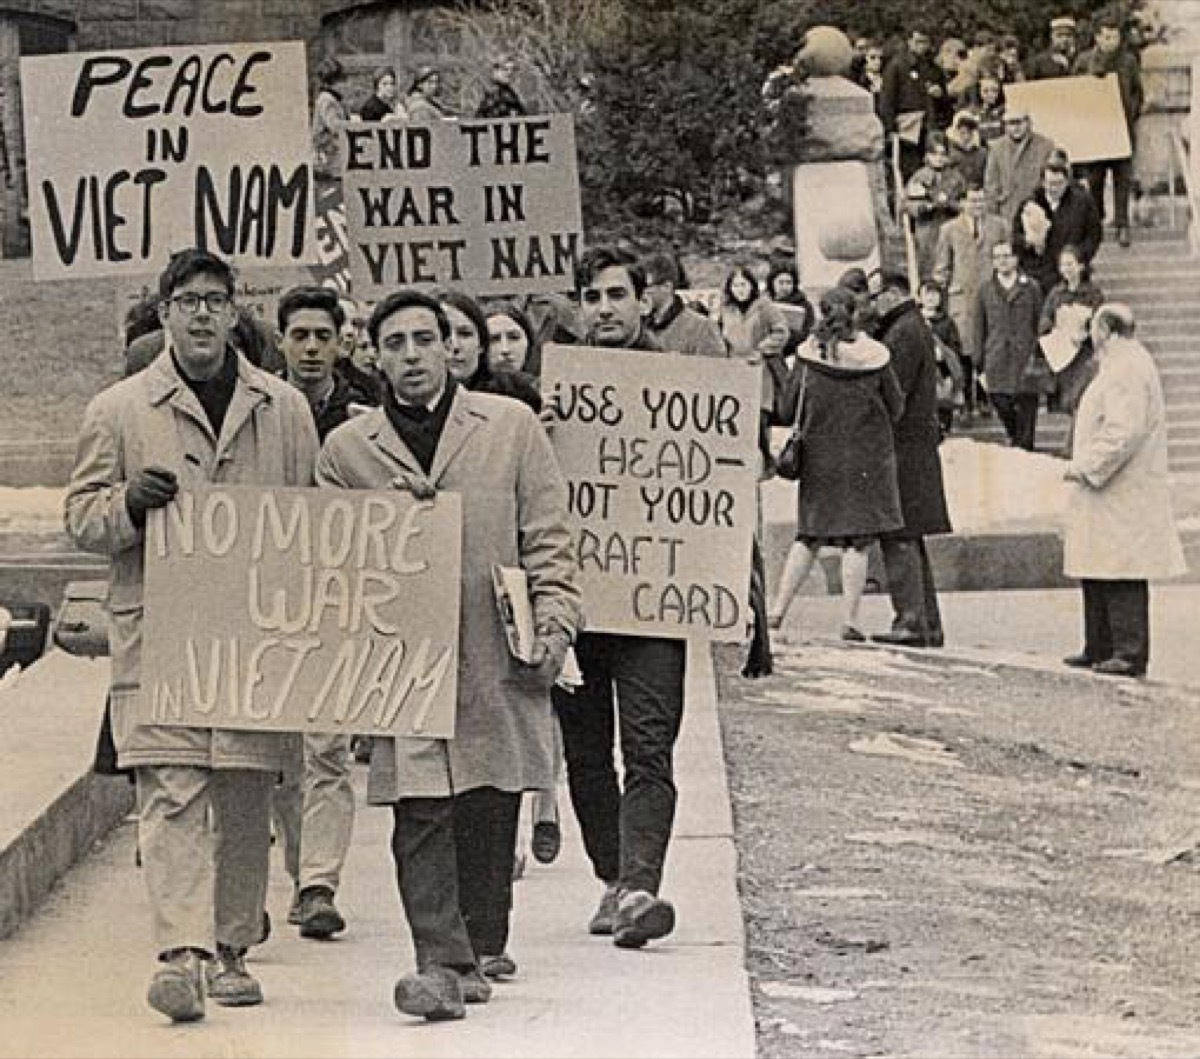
pixel 918 467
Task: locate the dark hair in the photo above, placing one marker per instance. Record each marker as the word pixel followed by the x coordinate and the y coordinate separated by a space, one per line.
pixel 329 71
pixel 597 258
pixel 323 299
pixel 142 317
pixel 469 307
pixel 662 266
pixel 894 281
pixel 930 285
pixel 422 75
pixel 518 385
pixel 1109 22
pixel 1009 41
pixel 254 340
pixel 406 298
pixel 1056 165
pixel 782 269
pixel 533 358
pixel 194 262
pixel 1085 269
pixel 1117 318
pixel 854 280
pixel 380 74
pixel 838 323
pixel 727 288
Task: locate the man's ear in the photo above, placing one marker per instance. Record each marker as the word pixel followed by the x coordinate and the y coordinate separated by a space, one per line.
pixel 645 304
pixel 163 307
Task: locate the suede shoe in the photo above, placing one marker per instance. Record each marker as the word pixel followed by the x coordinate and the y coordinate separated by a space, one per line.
pixel 434 994
pixel 606 913
pixel 547 841
pixel 502 966
pixel 229 983
pixel 642 917
pixel 177 989
pixel 1118 667
pixel 475 988
pixel 319 917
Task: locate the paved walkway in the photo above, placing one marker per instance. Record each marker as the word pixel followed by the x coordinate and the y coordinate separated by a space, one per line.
pixel 73 980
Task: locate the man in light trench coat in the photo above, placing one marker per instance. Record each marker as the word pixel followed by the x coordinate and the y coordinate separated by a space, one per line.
pixel 456 801
pixel 1120 531
pixel 199 414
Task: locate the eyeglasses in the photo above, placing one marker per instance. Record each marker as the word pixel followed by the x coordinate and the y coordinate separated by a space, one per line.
pixel 214 301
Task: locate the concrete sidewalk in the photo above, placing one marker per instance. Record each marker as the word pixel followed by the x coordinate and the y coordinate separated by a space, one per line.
pixel 73 980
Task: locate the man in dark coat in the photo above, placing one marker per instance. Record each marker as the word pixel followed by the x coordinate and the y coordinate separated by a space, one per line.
pixel 917 620
pixel 1060 213
pixel 1010 307
pixel 913 100
pixel 1110 55
pixel 1055 61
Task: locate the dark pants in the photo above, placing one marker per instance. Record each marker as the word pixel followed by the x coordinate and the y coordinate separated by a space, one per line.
pixel 911 587
pixel 454 862
pixel 1116 621
pixel 1018 412
pixel 1122 174
pixel 625 832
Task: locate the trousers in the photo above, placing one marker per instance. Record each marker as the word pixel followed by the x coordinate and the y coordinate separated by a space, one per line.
pixel 204 836
pixel 314 811
pixel 1018 412
pixel 1116 621
pixel 454 866
pixel 911 587
pixel 634 683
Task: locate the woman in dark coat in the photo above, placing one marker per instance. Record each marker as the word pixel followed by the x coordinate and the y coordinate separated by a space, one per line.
pixel 1076 288
pixel 848 494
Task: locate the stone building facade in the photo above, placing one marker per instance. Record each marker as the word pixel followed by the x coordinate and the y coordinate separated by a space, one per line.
pixel 401 34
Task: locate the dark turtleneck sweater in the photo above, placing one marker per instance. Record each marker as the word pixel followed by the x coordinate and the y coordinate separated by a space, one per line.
pixel 419 427
pixel 214 394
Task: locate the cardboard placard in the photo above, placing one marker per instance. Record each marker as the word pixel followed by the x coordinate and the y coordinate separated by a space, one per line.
pixel 314 610
pixel 136 154
pixel 489 206
pixel 661 463
pixel 1082 115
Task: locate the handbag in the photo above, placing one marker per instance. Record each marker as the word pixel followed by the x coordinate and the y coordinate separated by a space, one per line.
pixel 791 459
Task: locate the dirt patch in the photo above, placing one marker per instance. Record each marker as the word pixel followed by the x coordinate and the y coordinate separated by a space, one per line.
pixel 963 860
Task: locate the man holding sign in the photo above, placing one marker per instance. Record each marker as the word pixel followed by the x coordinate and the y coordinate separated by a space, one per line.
pixel 456 801
pixel 199 414
pixel 639 678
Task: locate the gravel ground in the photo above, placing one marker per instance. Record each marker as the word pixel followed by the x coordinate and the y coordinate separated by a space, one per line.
pixel 948 859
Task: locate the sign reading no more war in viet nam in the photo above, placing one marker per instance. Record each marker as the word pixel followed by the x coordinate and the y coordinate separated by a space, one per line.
pixel 303 610
pixel 660 454
pixel 489 206
pixel 133 155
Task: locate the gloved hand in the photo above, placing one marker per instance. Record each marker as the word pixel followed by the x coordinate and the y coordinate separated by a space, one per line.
pixel 151 487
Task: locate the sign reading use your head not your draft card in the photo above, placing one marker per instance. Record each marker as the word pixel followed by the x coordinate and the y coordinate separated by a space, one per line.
pixel 488 206
pixel 660 453
pixel 134 155
pixel 311 610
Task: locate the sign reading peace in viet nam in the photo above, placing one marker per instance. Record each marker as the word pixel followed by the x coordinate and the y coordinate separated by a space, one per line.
pixel 133 155
pixel 660 454
pixel 489 206
pixel 303 610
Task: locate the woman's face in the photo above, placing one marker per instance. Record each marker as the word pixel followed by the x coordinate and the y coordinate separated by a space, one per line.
pixel 782 286
pixel 741 288
pixel 386 89
pixel 508 348
pixel 1070 268
pixel 464 345
pixel 989 91
pixel 430 85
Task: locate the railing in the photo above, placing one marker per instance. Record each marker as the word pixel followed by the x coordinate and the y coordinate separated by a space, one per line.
pixel 1181 157
pixel 904 220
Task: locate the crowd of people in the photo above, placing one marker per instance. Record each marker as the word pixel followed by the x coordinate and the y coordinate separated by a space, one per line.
pixel 431 391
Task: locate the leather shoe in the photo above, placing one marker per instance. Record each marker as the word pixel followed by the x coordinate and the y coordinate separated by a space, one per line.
pixel 642 917
pixel 901 638
pixel 1079 661
pixel 319 917
pixel 547 841
pixel 433 994
pixel 1117 667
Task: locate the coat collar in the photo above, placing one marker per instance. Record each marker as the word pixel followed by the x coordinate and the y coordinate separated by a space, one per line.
pixel 464 417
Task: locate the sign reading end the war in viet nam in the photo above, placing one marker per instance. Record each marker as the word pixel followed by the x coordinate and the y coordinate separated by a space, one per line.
pixel 303 610
pixel 660 454
pixel 1082 115
pixel 135 154
pixel 489 206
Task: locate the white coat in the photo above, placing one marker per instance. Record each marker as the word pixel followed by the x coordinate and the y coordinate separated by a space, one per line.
pixel 1119 524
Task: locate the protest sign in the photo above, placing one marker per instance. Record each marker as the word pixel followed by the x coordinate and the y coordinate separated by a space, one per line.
pixel 661 465
pixel 489 206
pixel 303 610
pixel 1082 115
pixel 135 154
